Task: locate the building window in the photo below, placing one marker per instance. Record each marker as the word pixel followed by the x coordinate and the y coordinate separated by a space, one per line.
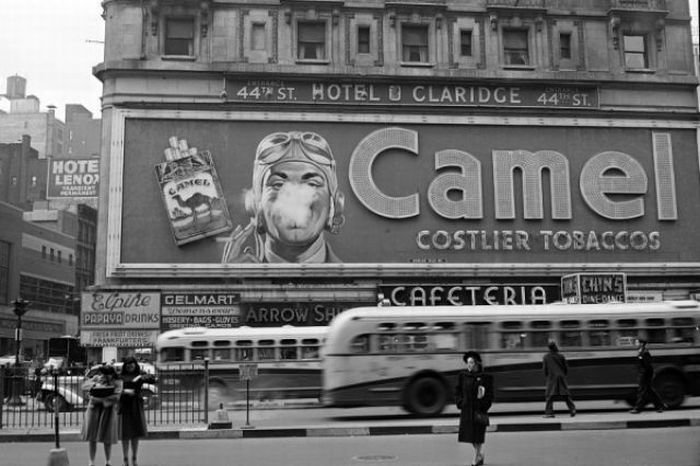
pixel 311 41
pixel 53 254
pixel 414 42
pixel 13 181
pixel 34 181
pixel 43 252
pixel 565 46
pixel 257 36
pixel 465 43
pixel 47 295
pixel 179 36
pixel 363 39
pixel 4 271
pixel 60 258
pixel 636 52
pixel 70 259
pixel 515 47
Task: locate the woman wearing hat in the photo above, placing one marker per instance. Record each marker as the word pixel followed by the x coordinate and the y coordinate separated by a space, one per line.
pixel 101 423
pixel 473 395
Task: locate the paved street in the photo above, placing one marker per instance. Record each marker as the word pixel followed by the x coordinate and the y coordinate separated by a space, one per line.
pixel 642 447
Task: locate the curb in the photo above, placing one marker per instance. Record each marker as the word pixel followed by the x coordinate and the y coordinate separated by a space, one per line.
pixel 355 431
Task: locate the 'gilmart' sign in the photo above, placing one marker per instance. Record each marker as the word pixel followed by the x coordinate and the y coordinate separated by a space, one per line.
pixel 119 318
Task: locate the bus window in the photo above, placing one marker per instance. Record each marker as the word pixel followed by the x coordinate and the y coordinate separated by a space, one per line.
pixel 444 326
pixel 266 350
pixel 199 350
pixel 512 340
pixel 222 354
pixel 309 349
pixel 288 350
pixel 656 335
pixel 683 330
pixel 627 327
pixel 444 341
pixel 570 338
pixel 599 333
pixel 384 326
pixel 172 354
pixel 360 344
pixel 476 334
pixel 414 326
pixel 387 343
pixel 199 354
pixel 245 353
pixel 539 338
pixel 417 342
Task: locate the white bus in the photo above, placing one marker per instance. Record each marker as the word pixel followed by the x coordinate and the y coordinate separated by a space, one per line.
pixel 287 358
pixel 410 356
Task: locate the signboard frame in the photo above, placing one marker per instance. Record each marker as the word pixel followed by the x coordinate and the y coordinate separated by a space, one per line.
pixel 115 267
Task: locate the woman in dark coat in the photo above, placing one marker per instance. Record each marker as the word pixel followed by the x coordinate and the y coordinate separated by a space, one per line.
pixel 132 425
pixel 474 395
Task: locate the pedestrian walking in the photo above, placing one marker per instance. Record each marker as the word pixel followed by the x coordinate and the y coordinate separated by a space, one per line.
pixel 132 419
pixel 645 392
pixel 473 395
pixel 555 372
pixel 101 423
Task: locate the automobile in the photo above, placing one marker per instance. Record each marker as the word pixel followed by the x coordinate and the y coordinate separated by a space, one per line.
pixel 71 395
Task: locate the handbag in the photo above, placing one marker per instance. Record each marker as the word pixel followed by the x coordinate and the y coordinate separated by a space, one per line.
pixel 481 418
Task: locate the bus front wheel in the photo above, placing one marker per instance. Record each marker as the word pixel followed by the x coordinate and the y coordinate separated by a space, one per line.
pixel 425 396
pixel 671 389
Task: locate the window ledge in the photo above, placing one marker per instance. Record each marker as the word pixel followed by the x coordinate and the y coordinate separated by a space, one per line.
pixel 519 67
pixel 416 64
pixel 312 62
pixel 640 70
pixel 178 57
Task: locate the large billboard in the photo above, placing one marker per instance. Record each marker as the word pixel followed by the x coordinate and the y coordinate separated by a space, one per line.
pixel 311 192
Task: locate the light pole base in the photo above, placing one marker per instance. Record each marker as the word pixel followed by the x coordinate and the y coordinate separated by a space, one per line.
pixel 58 457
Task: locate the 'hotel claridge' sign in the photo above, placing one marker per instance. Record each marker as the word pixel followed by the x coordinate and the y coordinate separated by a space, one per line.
pixel 458 95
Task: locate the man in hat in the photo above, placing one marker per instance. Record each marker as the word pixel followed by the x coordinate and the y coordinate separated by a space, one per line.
pixel 555 371
pixel 294 198
pixel 645 391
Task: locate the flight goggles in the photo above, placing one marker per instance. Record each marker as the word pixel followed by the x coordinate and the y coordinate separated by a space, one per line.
pixel 294 146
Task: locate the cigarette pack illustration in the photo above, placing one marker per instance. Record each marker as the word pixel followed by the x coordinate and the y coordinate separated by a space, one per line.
pixel 191 192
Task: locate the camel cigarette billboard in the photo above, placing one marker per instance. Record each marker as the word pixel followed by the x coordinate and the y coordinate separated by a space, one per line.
pixel 323 191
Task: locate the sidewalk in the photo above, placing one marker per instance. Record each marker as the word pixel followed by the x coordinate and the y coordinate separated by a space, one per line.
pixel 268 422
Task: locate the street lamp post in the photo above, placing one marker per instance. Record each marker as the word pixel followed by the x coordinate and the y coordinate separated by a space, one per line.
pixel 20 308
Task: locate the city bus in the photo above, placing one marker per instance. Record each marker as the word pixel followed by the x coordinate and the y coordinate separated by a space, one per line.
pixel 410 356
pixel 287 359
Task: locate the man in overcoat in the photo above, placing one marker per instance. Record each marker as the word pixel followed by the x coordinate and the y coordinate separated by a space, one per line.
pixel 555 371
pixel 645 391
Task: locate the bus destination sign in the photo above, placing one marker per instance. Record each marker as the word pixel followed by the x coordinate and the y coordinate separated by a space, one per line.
pixel 451 95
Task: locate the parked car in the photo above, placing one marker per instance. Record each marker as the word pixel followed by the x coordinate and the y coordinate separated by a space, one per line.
pixel 70 394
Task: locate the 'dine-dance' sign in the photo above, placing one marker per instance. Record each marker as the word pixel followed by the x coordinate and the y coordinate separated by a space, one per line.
pixel 359 192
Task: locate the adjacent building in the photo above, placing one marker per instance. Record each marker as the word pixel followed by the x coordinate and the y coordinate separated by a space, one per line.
pixel 464 152
pixel 38 264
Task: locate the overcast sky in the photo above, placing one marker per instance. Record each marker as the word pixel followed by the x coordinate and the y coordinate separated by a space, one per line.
pixel 51 44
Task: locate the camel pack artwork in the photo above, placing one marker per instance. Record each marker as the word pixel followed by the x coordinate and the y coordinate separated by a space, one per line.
pixel 191 193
